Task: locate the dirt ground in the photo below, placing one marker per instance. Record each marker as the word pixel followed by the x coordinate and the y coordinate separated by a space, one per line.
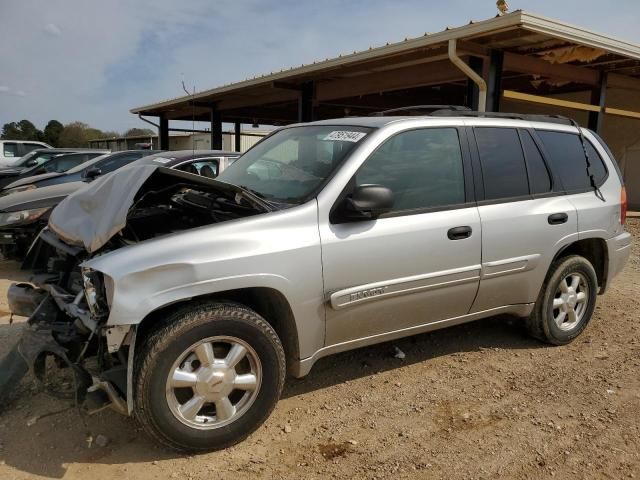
pixel 477 401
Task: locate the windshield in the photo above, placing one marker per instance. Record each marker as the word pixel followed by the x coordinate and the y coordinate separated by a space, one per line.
pixel 294 162
pixel 37 155
pixel 84 165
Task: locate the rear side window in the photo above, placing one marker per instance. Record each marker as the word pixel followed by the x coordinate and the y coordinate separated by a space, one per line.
pixel 30 146
pixel 422 167
pixel 503 167
pixel 539 178
pixel 567 157
pixel 10 149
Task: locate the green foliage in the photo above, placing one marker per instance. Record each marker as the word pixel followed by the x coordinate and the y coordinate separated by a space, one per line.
pixel 22 130
pixel 52 133
pixel 74 134
pixel 138 132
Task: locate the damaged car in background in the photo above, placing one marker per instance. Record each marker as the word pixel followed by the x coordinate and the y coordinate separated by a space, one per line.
pixel 23 214
pixel 185 300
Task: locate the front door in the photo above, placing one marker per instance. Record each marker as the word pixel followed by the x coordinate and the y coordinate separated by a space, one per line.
pixel 419 263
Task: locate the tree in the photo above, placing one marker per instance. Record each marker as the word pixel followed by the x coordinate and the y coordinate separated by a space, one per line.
pixel 52 132
pixel 75 134
pixel 22 130
pixel 138 132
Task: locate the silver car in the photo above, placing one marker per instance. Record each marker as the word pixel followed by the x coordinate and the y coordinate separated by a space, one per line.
pixel 197 296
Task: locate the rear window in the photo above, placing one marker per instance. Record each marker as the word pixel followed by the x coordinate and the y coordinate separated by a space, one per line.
pixel 566 154
pixel 503 167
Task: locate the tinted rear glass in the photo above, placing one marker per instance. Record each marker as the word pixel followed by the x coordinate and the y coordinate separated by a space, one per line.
pixel 567 158
pixel 539 178
pixel 503 169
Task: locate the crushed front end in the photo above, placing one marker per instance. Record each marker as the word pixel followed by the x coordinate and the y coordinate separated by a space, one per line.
pixel 68 304
pixel 64 343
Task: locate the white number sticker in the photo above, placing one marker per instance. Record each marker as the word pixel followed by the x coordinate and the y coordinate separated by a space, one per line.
pixel 162 160
pixel 345 136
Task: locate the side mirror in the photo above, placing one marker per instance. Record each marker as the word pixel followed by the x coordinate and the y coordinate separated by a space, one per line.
pixel 31 163
pixel 368 202
pixel 92 173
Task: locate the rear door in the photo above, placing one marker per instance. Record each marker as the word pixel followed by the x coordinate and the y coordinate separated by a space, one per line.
pixel 524 213
pixel 410 267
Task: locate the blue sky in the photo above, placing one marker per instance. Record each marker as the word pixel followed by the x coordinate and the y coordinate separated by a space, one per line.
pixel 91 60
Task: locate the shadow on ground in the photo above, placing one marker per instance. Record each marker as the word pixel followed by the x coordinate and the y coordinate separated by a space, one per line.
pixel 59 436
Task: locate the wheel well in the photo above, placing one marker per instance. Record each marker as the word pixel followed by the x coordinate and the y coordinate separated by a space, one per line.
pixel 269 303
pixel 594 250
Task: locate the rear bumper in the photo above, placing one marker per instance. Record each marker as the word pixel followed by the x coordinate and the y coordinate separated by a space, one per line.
pixel 619 250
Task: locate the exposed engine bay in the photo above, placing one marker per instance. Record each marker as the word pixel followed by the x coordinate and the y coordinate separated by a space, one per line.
pixel 68 307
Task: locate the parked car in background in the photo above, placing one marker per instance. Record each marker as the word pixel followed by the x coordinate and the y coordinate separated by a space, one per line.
pixel 47 163
pixel 208 163
pixel 93 168
pixel 10 150
pixel 198 295
pixel 23 214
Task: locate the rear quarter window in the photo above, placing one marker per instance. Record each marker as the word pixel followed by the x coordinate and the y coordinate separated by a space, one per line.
pixel 565 152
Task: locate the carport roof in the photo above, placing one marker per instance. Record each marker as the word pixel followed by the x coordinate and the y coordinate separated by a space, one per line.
pixel 524 36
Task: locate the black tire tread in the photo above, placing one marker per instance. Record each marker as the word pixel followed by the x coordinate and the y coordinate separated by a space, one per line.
pixel 535 323
pixel 180 321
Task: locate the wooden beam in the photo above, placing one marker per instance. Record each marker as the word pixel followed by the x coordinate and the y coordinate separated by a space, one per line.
pixel 403 78
pixel 622 113
pixel 536 66
pixel 556 102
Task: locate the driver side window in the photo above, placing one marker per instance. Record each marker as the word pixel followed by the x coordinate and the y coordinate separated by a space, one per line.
pixel 422 167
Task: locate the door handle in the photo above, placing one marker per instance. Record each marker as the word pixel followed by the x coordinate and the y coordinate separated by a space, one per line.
pixel 459 233
pixel 558 218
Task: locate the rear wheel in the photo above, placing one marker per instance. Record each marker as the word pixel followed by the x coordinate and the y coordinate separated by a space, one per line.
pixel 209 377
pixel 566 302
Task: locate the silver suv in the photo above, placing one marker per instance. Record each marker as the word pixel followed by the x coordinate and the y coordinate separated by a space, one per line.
pixel 196 296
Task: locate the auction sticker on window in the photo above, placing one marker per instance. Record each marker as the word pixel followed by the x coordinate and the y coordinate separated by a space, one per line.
pixel 345 136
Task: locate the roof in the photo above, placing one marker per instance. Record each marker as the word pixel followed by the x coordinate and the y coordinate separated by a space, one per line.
pixel 520 33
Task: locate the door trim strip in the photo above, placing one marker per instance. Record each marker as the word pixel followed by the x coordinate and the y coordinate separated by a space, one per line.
pixel 357 295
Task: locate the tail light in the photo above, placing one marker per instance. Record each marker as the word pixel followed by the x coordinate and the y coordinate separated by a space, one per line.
pixel 623 205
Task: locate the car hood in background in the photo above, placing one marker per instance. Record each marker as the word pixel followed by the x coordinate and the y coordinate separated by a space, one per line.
pixel 32 179
pixel 39 197
pixel 95 213
pixel 11 171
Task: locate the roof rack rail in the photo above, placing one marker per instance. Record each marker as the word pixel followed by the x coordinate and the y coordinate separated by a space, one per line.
pixel 418 108
pixel 559 119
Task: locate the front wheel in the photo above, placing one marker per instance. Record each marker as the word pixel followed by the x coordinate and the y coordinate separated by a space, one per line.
pixel 566 302
pixel 209 377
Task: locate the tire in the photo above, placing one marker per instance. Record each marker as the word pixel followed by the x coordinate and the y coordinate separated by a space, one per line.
pixel 193 416
pixel 547 323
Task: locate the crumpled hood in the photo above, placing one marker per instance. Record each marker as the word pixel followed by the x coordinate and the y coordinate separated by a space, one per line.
pixel 91 216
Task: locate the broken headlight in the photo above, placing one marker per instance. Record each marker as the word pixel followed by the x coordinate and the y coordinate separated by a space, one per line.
pixel 21 217
pixel 95 291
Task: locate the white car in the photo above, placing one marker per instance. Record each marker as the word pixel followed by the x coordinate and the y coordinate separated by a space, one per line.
pixel 11 150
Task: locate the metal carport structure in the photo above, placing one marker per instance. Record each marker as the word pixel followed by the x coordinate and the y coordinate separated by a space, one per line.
pixel 525 62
